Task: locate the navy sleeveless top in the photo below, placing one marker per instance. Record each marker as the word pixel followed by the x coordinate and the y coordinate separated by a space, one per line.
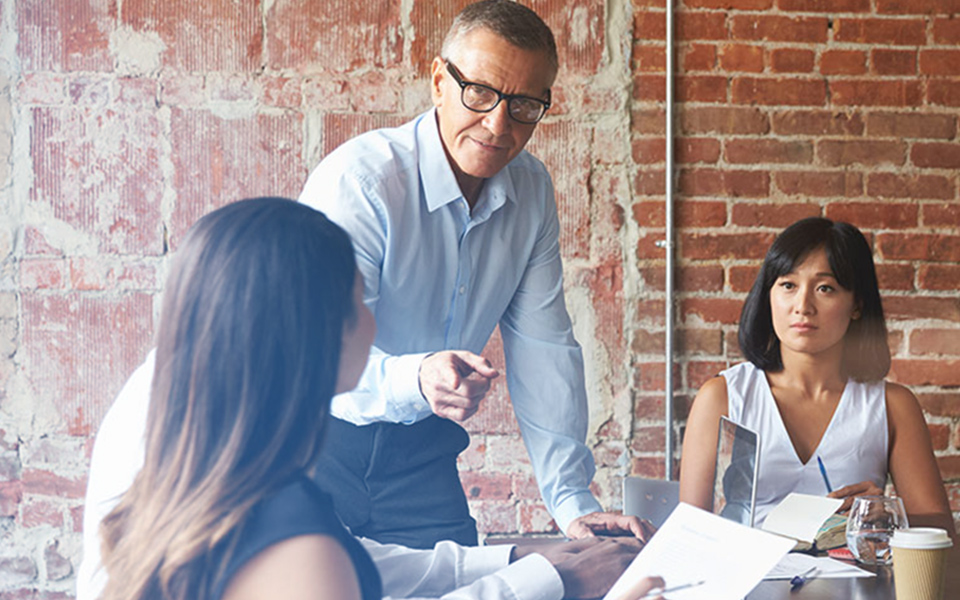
pixel 298 508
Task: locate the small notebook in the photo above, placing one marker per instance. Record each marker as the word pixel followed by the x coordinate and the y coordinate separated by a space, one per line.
pixel 801 516
pixel 832 534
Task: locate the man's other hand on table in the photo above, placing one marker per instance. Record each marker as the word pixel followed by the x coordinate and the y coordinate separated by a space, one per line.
pixel 610 523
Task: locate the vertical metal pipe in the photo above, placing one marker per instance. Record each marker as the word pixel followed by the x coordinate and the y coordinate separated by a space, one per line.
pixel 669 246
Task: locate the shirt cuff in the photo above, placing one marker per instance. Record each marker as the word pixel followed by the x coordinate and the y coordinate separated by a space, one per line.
pixel 405 395
pixel 533 578
pixel 482 561
pixel 576 505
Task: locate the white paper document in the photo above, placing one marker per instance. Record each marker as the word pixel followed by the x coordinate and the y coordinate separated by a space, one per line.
pixel 695 545
pixel 794 564
pixel 799 516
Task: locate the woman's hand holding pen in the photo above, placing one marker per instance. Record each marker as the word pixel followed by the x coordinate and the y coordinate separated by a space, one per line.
pixel 849 492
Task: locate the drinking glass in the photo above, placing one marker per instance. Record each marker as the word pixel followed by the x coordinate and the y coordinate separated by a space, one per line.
pixel 870 526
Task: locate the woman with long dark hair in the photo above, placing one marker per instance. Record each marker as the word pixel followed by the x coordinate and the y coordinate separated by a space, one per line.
pixel 813 333
pixel 262 323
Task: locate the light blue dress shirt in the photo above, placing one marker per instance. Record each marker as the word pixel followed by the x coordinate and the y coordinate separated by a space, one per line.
pixel 437 277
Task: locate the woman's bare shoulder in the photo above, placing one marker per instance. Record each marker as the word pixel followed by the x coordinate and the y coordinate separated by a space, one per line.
pixel 901 400
pixel 898 392
pixel 713 394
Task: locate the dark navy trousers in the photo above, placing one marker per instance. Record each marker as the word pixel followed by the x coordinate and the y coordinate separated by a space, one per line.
pixel 398 484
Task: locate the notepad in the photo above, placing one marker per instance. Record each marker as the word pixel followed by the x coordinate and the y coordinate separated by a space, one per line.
pixel 827 568
pixel 800 516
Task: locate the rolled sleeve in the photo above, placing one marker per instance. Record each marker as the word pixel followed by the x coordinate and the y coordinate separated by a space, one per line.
pixel 530 578
pixel 454 572
pixel 399 382
pixel 388 390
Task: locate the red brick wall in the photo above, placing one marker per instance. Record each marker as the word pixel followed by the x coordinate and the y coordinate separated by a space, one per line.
pixel 121 123
pixel 790 108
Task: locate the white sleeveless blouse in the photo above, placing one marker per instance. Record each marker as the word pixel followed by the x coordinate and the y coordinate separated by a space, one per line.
pixel 853 448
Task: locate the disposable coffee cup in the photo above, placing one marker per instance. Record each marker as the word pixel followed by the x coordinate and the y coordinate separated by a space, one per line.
pixel 919 562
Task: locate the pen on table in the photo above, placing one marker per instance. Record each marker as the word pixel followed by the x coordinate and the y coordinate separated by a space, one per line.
pixel 657 592
pixel 802 578
pixel 823 471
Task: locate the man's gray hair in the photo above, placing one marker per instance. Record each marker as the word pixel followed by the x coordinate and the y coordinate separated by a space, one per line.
pixel 510 20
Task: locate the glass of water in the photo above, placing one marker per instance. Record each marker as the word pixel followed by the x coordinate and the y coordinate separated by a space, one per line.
pixel 870 526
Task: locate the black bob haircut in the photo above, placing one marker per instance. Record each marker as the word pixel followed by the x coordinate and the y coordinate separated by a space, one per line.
pixel 866 354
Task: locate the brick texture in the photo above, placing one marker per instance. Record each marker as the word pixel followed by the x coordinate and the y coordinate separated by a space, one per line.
pixel 98 171
pixel 232 159
pixel 134 118
pixel 65 36
pixel 578 26
pixel 335 36
pixel 565 149
pixel 210 36
pixel 59 332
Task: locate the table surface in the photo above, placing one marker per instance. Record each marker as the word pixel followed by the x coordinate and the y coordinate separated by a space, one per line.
pixel 861 588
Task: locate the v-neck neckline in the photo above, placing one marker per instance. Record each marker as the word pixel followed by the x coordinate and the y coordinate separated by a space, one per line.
pixel 783 427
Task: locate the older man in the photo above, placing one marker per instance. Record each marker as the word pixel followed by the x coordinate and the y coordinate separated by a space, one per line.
pixel 456 231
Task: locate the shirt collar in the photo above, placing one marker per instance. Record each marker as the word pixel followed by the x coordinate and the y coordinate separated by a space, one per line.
pixel 443 187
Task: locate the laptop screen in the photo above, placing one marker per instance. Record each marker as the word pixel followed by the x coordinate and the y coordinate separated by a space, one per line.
pixel 735 485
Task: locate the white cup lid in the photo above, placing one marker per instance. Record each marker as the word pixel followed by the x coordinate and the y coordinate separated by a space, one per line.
pixel 921 538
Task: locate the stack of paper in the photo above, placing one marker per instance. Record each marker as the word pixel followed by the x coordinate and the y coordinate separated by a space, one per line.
pixel 694 545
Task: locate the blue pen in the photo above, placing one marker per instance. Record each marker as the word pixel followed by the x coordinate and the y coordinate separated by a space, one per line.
pixel 802 578
pixel 823 472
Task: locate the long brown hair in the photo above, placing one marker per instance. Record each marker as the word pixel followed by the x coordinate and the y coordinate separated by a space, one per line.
pixel 248 349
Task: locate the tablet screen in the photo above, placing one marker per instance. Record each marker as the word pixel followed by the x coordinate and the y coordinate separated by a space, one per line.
pixel 735 486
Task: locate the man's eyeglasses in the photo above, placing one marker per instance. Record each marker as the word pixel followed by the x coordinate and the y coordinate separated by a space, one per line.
pixel 483 98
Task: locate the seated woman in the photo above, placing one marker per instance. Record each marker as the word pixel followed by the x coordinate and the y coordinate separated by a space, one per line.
pixel 813 331
pixel 262 323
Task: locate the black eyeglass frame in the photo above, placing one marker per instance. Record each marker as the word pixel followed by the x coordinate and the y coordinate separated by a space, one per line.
pixel 463 83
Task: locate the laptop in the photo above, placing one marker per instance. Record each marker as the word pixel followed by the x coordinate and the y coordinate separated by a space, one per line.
pixel 735 486
pixel 735 483
pixel 651 499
